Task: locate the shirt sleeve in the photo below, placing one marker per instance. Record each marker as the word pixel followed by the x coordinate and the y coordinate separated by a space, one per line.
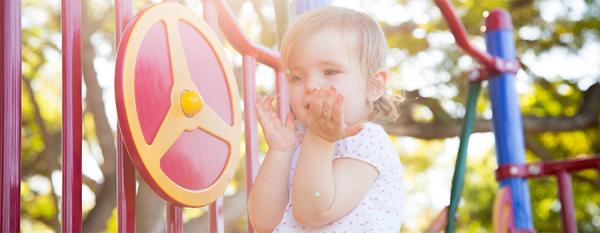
pixel 371 145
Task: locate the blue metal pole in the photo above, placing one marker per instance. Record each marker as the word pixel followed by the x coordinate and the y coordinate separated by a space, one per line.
pixel 508 129
pixel 301 6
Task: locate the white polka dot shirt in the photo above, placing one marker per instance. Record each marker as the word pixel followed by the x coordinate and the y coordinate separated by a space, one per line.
pixel 380 210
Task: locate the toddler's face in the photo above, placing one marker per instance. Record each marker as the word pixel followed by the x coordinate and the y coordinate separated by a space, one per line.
pixel 323 61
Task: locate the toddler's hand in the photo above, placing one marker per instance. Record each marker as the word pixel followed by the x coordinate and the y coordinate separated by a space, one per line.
pixel 279 136
pixel 326 118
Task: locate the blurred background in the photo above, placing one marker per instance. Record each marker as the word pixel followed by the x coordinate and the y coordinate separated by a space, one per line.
pixel 557 41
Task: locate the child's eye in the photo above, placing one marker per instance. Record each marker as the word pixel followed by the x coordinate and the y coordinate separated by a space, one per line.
pixel 331 72
pixel 295 77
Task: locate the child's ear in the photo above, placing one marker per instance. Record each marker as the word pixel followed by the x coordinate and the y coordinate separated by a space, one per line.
pixel 376 84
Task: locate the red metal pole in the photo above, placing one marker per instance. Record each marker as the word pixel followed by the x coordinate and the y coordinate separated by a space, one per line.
pixel 251 134
pixel 122 16
pixel 71 120
pixel 460 34
pixel 125 189
pixel 10 120
pixel 174 219
pixel 241 43
pixel 282 97
pixel 217 224
pixel 567 207
pixel 541 169
pixel 211 15
pixel 251 53
pixel 125 169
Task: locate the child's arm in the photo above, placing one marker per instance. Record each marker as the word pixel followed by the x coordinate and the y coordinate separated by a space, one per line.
pixel 324 190
pixel 269 194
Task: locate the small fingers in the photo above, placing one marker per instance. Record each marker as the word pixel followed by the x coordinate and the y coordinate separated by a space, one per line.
pixel 268 103
pixel 316 103
pixel 258 108
pixel 328 103
pixel 275 119
pixel 337 116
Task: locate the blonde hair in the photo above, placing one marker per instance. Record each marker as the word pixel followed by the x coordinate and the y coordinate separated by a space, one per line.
pixel 368 39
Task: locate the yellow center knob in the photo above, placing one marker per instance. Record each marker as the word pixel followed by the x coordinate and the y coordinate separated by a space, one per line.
pixel 191 103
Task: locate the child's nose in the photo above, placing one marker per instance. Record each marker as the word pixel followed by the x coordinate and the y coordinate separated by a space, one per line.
pixel 313 85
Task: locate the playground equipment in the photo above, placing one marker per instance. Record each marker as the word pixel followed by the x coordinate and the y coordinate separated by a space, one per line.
pixel 512 208
pixel 192 102
pixel 186 102
pixel 163 103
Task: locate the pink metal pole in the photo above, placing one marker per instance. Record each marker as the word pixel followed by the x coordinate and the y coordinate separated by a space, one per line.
pixel 241 43
pixel 125 189
pixel 217 224
pixel 211 15
pixel 282 97
pixel 71 120
pixel 541 169
pixel 251 134
pixel 125 169
pixel 216 217
pixel 122 17
pixel 567 207
pixel 251 52
pixel 174 219
pixel 10 120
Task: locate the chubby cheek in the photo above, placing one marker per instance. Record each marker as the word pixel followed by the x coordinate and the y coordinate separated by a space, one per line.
pixel 354 108
pixel 299 112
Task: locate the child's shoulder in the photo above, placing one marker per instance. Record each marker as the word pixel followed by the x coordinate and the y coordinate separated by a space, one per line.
pixel 371 145
pixel 371 131
pixel 372 135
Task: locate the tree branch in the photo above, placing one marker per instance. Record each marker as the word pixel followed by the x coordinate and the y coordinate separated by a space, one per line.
pixel 538 150
pixel 402 28
pixel 149 210
pixel 39 121
pixel 95 220
pixel 440 115
pixel 515 4
pixel 585 118
pixel 267 35
pixel 46 161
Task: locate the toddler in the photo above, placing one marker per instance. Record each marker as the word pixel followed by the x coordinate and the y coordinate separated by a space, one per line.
pixel 328 167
